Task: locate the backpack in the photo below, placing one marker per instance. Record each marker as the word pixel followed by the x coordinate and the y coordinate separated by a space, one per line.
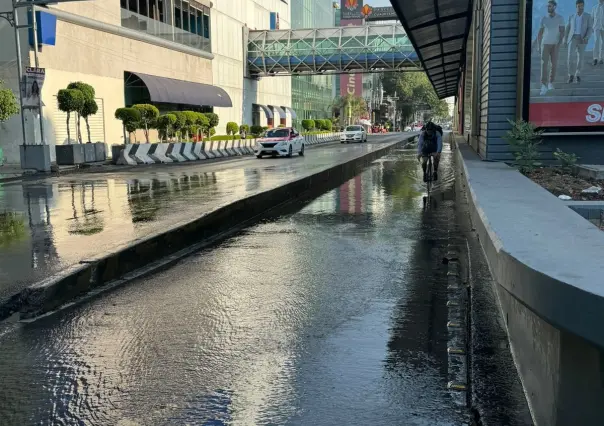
pixel 430 145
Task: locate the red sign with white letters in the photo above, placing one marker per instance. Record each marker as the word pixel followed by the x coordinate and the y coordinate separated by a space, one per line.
pixel 567 114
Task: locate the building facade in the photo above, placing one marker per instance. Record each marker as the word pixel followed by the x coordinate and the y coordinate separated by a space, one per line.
pixel 124 49
pixel 312 96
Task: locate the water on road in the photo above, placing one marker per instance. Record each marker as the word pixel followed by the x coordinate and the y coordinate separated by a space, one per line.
pixel 333 315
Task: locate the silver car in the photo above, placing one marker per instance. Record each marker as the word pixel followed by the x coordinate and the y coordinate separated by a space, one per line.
pixel 354 134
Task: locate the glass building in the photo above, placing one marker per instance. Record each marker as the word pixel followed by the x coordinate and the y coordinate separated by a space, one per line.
pixel 312 96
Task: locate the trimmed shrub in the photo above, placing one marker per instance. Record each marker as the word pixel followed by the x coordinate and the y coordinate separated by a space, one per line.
pixel 256 130
pixel 165 125
pixel 71 100
pixel 231 128
pixel 308 124
pixel 244 127
pixel 213 118
pixel 129 118
pixel 149 114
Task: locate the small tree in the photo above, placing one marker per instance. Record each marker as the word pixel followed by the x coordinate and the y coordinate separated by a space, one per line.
pixel 8 103
pixel 202 124
pixel 524 140
pixel 165 124
pixel 70 100
pixel 191 119
pixel 308 125
pixel 244 127
pixel 149 114
pixel 129 118
pixel 256 130
pixel 214 119
pixel 88 108
pixel 231 128
pixel 566 159
pixel 180 124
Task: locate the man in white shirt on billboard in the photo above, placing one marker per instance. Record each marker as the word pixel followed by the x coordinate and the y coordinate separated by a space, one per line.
pixel 598 16
pixel 549 38
pixel 578 31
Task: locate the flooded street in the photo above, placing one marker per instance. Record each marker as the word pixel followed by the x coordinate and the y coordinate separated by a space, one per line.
pixel 49 225
pixel 332 315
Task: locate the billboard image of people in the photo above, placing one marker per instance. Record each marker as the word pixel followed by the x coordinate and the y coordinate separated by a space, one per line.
pixel 567 68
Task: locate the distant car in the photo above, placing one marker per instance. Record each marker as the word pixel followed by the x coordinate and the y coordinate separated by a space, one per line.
pixel 354 134
pixel 408 129
pixel 282 142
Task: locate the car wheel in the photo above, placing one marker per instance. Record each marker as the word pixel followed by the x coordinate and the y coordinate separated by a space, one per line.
pixel 290 152
pixel 301 153
pixel 259 156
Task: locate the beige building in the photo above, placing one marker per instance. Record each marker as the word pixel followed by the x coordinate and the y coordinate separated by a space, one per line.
pixel 176 54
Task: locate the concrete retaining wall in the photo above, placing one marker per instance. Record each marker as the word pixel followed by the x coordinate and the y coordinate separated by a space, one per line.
pixel 546 260
pixel 81 279
pixel 133 154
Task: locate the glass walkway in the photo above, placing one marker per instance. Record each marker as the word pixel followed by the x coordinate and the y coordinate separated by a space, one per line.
pixel 330 50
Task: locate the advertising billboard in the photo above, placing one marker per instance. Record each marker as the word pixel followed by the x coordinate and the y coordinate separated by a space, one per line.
pixel 567 69
pixel 351 9
pixel 351 84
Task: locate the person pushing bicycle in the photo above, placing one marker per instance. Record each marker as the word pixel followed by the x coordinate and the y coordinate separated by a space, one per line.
pixel 430 143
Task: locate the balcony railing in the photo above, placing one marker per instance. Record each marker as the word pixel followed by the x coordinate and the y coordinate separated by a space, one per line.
pixel 144 24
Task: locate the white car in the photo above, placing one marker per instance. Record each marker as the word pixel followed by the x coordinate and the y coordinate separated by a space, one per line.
pixel 354 134
pixel 282 142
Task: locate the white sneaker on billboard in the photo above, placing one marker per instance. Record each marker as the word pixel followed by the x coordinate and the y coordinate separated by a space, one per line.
pixel 543 90
pixel 550 86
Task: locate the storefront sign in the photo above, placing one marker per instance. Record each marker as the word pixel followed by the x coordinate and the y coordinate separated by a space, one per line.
pixel 382 14
pixel 566 77
pixel 34 80
pixel 351 9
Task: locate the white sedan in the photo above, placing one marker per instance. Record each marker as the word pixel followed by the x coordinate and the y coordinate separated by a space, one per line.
pixel 282 142
pixel 354 134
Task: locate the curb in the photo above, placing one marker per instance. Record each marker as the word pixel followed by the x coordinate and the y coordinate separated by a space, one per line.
pixel 78 280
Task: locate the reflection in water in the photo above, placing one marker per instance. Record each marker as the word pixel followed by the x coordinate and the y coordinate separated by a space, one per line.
pixel 329 316
pixel 86 220
pixel 12 228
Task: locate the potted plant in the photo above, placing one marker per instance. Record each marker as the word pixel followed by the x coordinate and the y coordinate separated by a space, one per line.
pixel 70 101
pixel 129 118
pixel 148 114
pixel 165 125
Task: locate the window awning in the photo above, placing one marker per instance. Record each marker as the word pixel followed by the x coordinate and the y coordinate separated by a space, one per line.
pixel 267 111
pixel 291 111
pixel 172 91
pixel 279 110
pixel 438 30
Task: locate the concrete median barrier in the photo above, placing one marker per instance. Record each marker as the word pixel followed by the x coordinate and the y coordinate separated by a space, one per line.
pixel 168 245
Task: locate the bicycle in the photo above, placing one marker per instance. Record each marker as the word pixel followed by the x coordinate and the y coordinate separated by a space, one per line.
pixel 429 174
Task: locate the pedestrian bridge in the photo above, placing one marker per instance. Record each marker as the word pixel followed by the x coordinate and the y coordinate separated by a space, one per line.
pixel 369 48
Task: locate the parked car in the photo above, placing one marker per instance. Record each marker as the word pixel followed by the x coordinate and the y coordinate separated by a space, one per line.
pixel 282 142
pixel 355 133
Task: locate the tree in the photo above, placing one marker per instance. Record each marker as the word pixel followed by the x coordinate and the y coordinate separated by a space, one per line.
pixel 165 124
pixel 351 106
pixel 180 122
pixel 8 103
pixel 414 92
pixel 232 128
pixel 256 130
pixel 149 114
pixel 88 107
pixel 129 118
pixel 70 100
pixel 214 119
pixel 203 123
pixel 190 124
pixel 245 128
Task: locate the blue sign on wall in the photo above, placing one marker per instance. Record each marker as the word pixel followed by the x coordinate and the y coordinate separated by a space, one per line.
pixel 274 21
pixel 47 28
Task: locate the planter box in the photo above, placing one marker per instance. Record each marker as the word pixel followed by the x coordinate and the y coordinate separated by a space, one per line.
pixel 70 154
pixel 36 157
pixel 80 153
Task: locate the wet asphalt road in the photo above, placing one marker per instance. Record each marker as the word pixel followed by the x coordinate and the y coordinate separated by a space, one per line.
pixel 333 315
pixel 48 225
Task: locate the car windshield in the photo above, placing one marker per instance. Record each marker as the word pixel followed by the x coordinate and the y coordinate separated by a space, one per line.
pixel 277 133
pixel 354 128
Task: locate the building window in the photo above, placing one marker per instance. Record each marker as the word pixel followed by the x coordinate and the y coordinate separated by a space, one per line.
pixel 190 25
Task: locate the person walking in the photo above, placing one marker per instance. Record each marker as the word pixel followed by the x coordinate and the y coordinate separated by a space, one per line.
pixel 598 17
pixel 549 38
pixel 578 30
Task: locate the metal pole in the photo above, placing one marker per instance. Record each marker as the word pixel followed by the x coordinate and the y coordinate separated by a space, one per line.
pixel 19 71
pixel 35 33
